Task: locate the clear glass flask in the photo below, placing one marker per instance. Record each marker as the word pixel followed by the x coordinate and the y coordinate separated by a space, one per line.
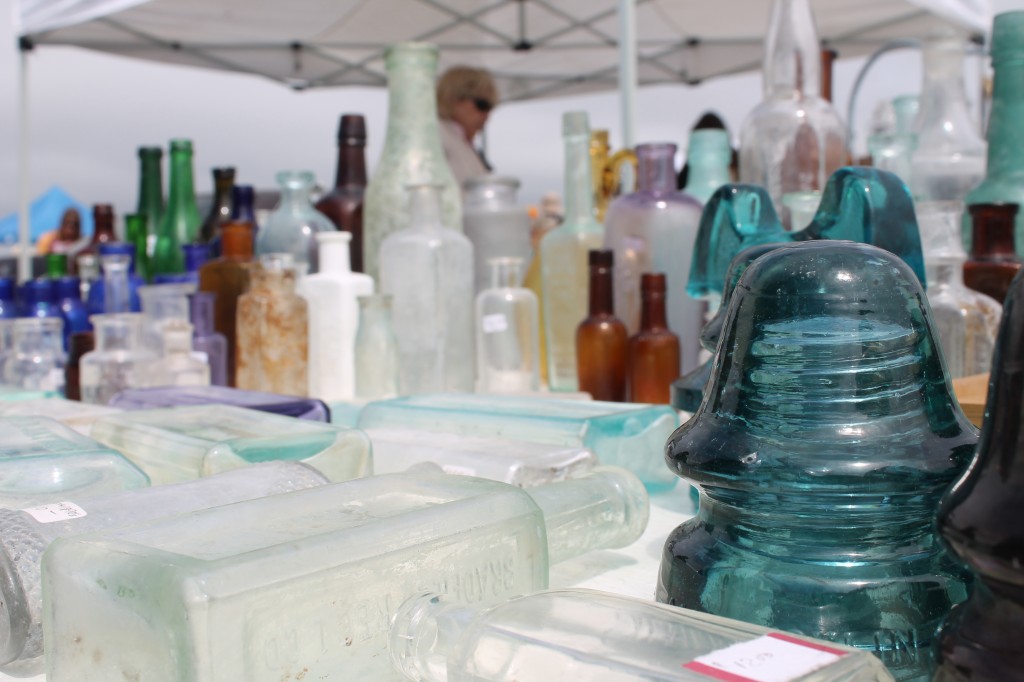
pixel 507 332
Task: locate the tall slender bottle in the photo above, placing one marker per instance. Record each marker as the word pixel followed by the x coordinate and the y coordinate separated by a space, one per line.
pixel 654 350
pixel 1004 174
pixel 563 254
pixel 412 151
pixel 794 139
pixel 344 204
pixel 151 194
pixel 205 339
pixel 180 224
pixel 601 339
pixel 220 208
pixel 333 318
pixel 228 278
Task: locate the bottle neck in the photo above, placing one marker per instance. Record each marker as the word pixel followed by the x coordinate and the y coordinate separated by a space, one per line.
pixel 116 295
pixel 1005 118
pixel 412 103
pixel 334 257
pixel 425 207
pixel 242 207
pixel 943 101
pixel 993 239
pixel 223 183
pixel 295 195
pixel 236 242
pixel 792 65
pixel 506 273
pixel 946 270
pixel 652 311
pixel 655 168
pixel 351 170
pixel 151 191
pixel 117 332
pixel 579 189
pixel 182 192
pixel 601 294
pixel 103 229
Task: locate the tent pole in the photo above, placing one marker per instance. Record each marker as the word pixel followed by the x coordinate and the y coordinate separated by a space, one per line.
pixel 24 188
pixel 627 70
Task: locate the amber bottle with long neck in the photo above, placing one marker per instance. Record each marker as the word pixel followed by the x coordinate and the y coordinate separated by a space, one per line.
pixel 228 278
pixel 654 350
pixel 344 204
pixel 993 262
pixel 602 339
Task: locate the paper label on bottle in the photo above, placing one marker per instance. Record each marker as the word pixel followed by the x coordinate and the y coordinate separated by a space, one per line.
pixel 56 511
pixel 495 323
pixel 775 657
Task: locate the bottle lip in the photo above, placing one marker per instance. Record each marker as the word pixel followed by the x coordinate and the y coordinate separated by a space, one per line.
pixel 352 129
pixel 181 145
pixel 576 123
pixel 151 151
pixel 336 237
pixel 601 258
pixel 412 633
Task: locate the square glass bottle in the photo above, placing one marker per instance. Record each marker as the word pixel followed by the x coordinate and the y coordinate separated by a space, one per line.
pixel 77 415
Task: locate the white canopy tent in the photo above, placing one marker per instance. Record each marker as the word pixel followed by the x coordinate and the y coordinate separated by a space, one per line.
pixel 534 48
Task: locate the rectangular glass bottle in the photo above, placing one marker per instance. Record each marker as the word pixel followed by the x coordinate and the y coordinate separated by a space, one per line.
pixel 71 413
pixel 287 405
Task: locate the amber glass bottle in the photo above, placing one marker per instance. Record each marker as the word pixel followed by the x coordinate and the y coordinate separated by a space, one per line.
pixel 344 204
pixel 80 344
pixel 601 339
pixel 654 350
pixel 220 209
pixel 103 232
pixel 993 262
pixel 228 278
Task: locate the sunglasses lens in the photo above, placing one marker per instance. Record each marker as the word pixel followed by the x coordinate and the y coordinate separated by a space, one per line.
pixel 482 104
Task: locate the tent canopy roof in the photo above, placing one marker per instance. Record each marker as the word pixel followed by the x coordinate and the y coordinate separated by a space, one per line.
pixel 534 48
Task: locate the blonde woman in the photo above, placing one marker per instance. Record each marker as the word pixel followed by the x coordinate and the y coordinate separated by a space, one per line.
pixel 465 98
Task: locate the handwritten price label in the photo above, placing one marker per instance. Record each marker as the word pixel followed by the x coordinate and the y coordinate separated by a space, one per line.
pixel 58 511
pixel 775 657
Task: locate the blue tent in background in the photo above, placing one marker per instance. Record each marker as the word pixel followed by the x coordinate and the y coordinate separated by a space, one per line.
pixel 44 215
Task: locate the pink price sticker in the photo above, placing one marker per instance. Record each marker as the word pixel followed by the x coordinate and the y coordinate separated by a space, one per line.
pixel 775 657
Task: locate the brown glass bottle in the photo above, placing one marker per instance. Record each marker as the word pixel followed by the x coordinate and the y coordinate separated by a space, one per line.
pixel 103 232
pixel 228 278
pixel 993 262
pixel 654 349
pixel 344 204
pixel 980 520
pixel 80 344
pixel 220 209
pixel 602 339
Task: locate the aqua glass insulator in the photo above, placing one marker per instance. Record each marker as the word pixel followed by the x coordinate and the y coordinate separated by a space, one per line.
pixel 827 435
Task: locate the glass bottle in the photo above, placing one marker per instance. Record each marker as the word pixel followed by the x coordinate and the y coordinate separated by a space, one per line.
pixel 590 635
pixel 162 303
pixel 826 438
pixel 194 255
pixel 39 298
pixel 949 157
pixel 88 268
pixel 72 309
pixel 273 330
pixel 602 339
pixel 180 222
pixel 117 261
pixel 8 308
pixel 37 361
pixel 966 320
pixel 103 233
pixel 274 403
pixel 227 277
pixel 6 345
pixel 993 262
pixel 343 205
pixel 120 359
pixel 708 156
pixel 205 339
pixel 653 357
pixel 794 139
pixel 1004 173
pixel 376 350
pixel 27 533
pixel 80 344
pixel 332 296
pixel 177 365
pixel 151 195
pixel 893 149
pixel 220 208
pixel 284 559
pixel 507 332
pixel 549 216
pixel 496 226
pixel 427 269
pixel 243 198
pixel 563 257
pixel 293 225
pixel 135 233
pixel 654 230
pixel 412 151
pixel 56 265
pixel 980 639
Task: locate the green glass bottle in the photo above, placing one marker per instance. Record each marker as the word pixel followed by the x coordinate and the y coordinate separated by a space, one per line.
pixel 1004 174
pixel 135 233
pixel 180 224
pixel 56 265
pixel 151 194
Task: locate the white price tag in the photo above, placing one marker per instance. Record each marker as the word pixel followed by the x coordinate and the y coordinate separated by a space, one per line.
pixel 57 511
pixel 775 657
pixel 494 323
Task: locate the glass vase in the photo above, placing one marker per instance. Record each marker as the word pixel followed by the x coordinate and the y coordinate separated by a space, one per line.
pixel 507 332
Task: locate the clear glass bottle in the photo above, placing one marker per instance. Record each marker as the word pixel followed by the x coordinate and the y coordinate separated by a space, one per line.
pixel 654 230
pixel 794 139
pixel 273 330
pixel 177 364
pixel 227 277
pixel 708 156
pixel 376 350
pixel 993 260
pixel 220 207
pixel 412 151
pixel 949 157
pixel 495 224
pixel 332 295
pixel 283 560
pixel 343 204
pixel 120 359
pixel 601 338
pixel 180 222
pixel 589 635
pixel 893 149
pixel 117 261
pixel 205 339
pixel 26 534
pixel 507 332
pixel 37 360
pixel 653 356
pixel 428 271
pixel 151 194
pixel 293 225
pixel 563 257
pixel 162 303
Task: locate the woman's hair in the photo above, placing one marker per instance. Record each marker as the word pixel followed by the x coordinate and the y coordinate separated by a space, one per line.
pixel 463 82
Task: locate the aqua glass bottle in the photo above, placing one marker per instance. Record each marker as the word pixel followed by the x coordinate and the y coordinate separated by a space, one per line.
pixel 180 223
pixel 294 224
pixel 892 149
pixel 825 439
pixel 565 275
pixel 708 156
pixel 151 194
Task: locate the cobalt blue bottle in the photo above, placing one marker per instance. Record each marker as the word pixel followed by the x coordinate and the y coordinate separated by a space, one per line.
pixel 95 302
pixel 72 308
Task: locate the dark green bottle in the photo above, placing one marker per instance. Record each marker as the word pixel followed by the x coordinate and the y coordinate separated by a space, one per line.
pixel 135 233
pixel 151 194
pixel 56 265
pixel 180 224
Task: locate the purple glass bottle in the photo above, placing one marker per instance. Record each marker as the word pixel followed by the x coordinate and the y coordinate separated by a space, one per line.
pixel 290 406
pixel 205 339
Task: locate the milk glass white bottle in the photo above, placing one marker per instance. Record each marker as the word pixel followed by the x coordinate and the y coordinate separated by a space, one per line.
pixel 25 535
pixel 427 269
pixel 376 354
pixel 507 332
pixel 37 362
pixel 494 223
pixel 332 295
pixel 178 366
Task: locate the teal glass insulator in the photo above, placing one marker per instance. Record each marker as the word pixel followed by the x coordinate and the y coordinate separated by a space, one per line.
pixel 859 204
pixel 827 435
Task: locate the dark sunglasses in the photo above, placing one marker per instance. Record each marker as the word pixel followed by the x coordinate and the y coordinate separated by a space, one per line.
pixel 482 105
